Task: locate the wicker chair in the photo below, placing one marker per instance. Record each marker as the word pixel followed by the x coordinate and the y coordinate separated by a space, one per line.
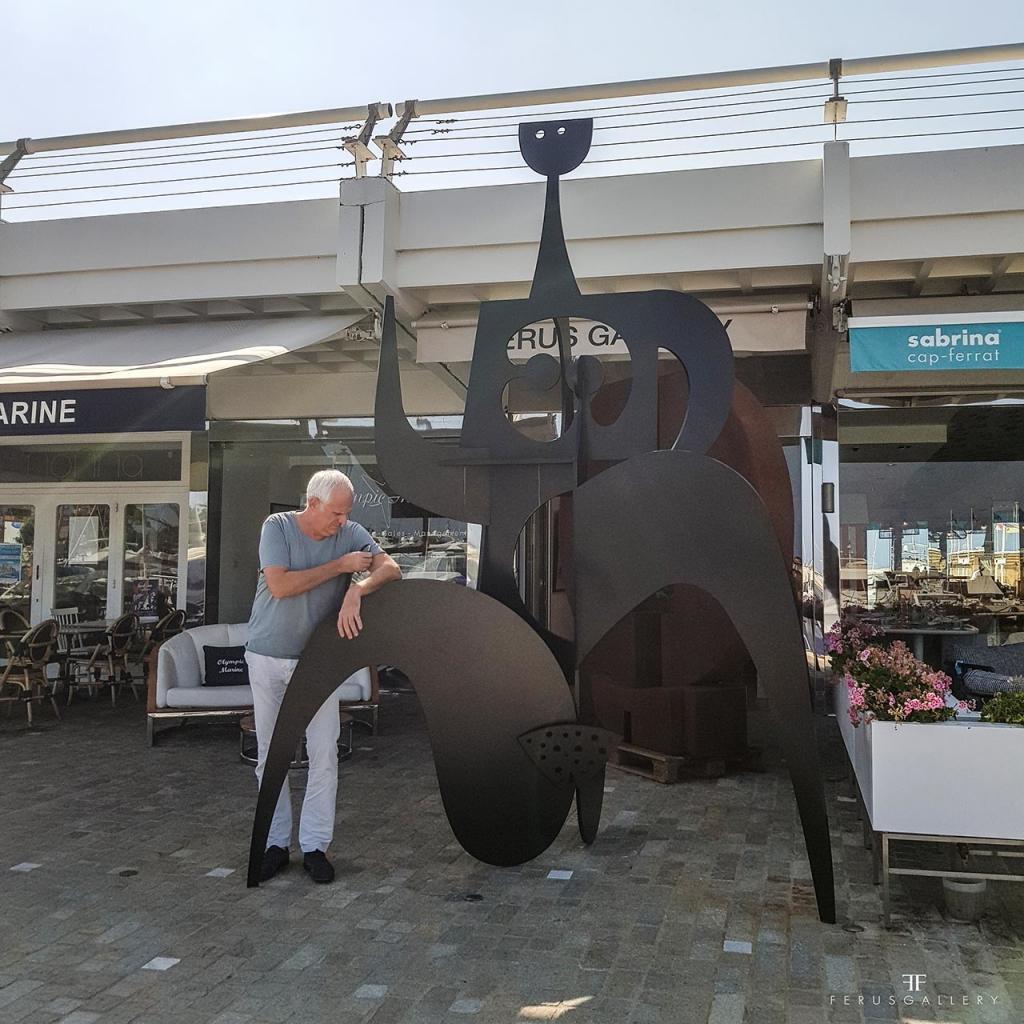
pixel 26 668
pixel 120 651
pixel 12 621
pixel 167 626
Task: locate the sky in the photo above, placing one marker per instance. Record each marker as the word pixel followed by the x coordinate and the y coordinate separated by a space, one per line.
pixel 72 67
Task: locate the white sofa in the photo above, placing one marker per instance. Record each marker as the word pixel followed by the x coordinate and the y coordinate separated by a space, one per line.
pixel 177 672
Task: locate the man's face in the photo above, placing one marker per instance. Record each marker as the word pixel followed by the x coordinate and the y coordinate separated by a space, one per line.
pixel 331 515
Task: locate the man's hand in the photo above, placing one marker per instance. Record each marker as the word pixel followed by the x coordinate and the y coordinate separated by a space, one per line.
pixel 355 561
pixel 349 622
pixel 383 568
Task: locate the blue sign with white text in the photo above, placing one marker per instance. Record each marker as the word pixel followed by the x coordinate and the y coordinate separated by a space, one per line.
pixel 102 410
pixel 877 346
pixel 10 563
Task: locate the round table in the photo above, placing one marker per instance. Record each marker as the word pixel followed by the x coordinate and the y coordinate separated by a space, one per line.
pixel 247 742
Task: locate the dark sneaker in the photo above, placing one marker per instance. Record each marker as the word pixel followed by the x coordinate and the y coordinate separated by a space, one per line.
pixel 275 858
pixel 319 867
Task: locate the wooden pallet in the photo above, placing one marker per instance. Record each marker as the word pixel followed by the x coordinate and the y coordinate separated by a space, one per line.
pixel 665 768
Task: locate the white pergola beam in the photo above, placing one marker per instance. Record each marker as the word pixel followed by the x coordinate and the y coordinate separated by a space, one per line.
pixel 999 271
pixel 923 273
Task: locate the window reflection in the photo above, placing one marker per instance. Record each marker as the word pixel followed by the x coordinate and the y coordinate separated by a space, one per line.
pixel 265 467
pixel 195 594
pixel 64 462
pixel 930 513
pixel 82 553
pixel 17 535
pixel 151 558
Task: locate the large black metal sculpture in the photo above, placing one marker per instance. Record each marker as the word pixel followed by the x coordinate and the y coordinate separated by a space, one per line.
pixel 509 751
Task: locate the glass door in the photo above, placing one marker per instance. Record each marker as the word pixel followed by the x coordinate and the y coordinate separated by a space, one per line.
pixel 81 577
pixel 125 554
pixel 101 553
pixel 17 566
pixel 152 549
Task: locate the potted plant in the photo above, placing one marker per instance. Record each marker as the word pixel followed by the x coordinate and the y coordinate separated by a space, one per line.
pixel 889 684
pixel 921 770
pixel 846 639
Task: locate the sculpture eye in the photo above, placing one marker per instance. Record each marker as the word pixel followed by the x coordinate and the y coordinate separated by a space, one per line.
pixel 553 148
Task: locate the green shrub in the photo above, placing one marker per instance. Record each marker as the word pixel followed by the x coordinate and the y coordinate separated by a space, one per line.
pixel 1005 707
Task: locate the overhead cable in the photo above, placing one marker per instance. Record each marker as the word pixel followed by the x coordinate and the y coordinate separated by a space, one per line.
pixel 722 134
pixel 145 148
pixel 169 181
pixel 450 133
pixel 168 195
pixel 694 103
pixel 607 117
pixel 707 152
pixel 642 124
pixel 120 166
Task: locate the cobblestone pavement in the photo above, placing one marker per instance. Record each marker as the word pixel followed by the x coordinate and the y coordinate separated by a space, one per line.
pixel 693 907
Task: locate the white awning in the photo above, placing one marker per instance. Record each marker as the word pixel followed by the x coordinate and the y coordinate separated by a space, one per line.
pixel 178 352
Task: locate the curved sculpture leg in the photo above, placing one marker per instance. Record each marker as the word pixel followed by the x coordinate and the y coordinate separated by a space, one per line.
pixel 737 561
pixel 478 698
pixel 589 800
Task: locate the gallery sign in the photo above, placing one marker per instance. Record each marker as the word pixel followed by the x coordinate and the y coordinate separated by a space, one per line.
pixel 957 341
pixel 439 341
pixel 102 411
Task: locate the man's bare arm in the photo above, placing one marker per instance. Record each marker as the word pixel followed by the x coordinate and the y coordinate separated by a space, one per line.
pixel 282 582
pixel 383 569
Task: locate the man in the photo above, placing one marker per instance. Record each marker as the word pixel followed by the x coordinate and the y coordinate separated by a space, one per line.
pixel 307 559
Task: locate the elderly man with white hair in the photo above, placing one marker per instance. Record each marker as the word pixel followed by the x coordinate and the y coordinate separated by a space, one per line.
pixel 307 560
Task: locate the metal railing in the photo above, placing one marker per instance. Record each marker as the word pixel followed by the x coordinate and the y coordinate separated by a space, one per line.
pixel 879 104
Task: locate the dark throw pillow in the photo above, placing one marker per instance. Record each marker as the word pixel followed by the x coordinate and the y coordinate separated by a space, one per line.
pixel 226 666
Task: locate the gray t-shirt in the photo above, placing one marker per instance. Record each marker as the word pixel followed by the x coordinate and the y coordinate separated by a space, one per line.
pixel 280 627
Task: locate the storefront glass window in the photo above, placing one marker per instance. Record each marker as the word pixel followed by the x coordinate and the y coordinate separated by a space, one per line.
pixel 82 553
pixel 198 507
pixel 151 558
pixel 17 533
pixel 930 519
pixel 129 462
pixel 263 468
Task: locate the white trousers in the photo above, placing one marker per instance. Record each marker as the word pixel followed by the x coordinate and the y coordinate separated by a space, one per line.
pixel 269 679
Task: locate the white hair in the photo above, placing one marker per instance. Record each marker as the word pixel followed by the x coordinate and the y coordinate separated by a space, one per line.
pixel 324 482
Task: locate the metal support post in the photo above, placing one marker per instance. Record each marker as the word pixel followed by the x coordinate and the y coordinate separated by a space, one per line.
pixel 358 147
pixel 885 879
pixel 389 144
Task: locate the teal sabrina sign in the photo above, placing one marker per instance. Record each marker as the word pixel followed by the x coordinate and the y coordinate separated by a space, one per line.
pixel 979 341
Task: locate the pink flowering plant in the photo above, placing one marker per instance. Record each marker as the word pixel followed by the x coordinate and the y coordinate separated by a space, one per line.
pixel 890 684
pixel 846 639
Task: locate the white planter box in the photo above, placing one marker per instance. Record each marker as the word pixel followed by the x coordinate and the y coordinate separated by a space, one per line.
pixel 958 778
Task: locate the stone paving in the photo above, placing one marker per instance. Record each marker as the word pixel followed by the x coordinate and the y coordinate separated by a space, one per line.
pixel 122 899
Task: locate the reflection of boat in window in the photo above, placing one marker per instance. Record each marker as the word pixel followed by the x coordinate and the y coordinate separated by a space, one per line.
pixel 982 585
pixel 853 580
pixel 854 569
pixel 447 565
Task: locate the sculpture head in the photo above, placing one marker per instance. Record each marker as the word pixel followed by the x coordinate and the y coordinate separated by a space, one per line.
pixel 552 148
